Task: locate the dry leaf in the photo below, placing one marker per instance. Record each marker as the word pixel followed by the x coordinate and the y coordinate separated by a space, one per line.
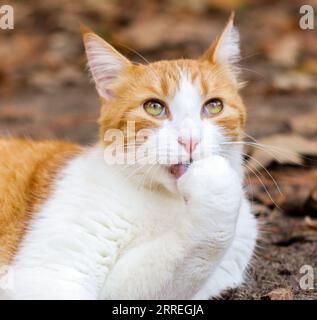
pixel 293 80
pixel 260 209
pixel 284 51
pixel 11 114
pixel 305 124
pixel 280 294
pixel 25 49
pixel 311 223
pixel 291 189
pixel 309 66
pixel 283 148
pixel 228 4
pixel 51 81
pixel 311 204
pixel 163 30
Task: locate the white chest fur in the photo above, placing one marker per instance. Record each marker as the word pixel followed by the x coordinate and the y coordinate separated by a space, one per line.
pixel 100 237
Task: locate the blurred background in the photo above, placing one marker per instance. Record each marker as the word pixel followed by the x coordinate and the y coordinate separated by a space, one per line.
pixel 45 93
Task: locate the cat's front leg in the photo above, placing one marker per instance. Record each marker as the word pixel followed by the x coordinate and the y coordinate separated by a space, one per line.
pixel 176 264
pixel 213 192
pixel 231 272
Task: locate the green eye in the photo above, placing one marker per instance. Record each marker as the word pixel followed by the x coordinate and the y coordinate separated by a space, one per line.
pixel 154 108
pixel 212 107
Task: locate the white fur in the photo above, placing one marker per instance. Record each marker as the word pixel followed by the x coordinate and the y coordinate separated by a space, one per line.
pixel 101 235
pixel 228 49
pixel 105 64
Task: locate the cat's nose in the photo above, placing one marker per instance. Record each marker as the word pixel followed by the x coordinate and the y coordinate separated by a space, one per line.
pixel 189 143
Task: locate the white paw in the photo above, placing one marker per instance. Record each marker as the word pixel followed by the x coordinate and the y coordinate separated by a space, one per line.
pixel 212 181
pixel 212 173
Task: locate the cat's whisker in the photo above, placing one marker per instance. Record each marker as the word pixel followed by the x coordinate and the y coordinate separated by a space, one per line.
pixel 141 162
pixel 135 52
pixel 275 153
pixel 263 184
pixel 259 173
pixel 278 149
pixel 249 56
pixel 252 71
pixel 252 188
pixel 260 164
pixel 135 172
pixel 148 63
pixel 154 173
pixel 144 178
pixel 139 165
pixel 151 176
pixel 248 135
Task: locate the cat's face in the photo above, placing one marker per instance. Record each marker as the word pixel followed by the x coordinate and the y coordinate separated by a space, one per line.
pixel 174 112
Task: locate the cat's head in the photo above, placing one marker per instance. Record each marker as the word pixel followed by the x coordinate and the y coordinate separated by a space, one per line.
pixel 172 112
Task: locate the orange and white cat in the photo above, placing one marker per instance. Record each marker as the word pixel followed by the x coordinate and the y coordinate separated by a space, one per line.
pixel 73 226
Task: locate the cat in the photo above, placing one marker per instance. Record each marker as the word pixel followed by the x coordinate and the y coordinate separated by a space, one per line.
pixel 75 226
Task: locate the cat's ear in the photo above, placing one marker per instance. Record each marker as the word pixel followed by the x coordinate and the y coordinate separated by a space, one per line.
pixel 226 48
pixel 105 62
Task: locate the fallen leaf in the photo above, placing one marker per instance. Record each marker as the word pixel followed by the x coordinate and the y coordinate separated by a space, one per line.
pixel 280 294
pixel 11 114
pixel 293 197
pixel 311 204
pixel 284 50
pixel 309 66
pixel 260 209
pixel 305 124
pixel 162 30
pixel 50 81
pixel 293 80
pixel 228 4
pixel 311 223
pixel 291 189
pixel 25 48
pixel 283 148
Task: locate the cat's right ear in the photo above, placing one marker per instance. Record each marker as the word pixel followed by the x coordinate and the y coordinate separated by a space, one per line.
pixel 226 48
pixel 105 62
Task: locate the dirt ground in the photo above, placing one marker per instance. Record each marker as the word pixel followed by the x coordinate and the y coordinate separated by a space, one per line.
pixel 45 93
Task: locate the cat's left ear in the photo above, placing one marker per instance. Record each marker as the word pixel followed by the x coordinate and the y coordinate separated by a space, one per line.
pixel 226 48
pixel 105 62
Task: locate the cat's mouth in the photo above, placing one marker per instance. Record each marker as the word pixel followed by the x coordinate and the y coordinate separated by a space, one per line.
pixel 177 170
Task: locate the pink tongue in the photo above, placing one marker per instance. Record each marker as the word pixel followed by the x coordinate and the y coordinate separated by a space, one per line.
pixel 178 170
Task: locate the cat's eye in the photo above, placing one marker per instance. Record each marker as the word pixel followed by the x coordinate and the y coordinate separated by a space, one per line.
pixel 212 107
pixel 154 108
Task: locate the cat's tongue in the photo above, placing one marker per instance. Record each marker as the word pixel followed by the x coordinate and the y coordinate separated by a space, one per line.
pixel 177 170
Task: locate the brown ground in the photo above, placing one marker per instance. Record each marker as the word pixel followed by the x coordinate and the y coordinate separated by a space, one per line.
pixel 45 93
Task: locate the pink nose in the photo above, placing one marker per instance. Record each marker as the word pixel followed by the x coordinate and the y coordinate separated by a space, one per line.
pixel 189 143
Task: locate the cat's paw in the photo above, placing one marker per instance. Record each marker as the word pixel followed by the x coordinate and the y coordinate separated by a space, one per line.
pixel 212 180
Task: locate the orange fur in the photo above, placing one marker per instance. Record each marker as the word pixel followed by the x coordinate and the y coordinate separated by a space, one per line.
pixel 160 80
pixel 27 170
